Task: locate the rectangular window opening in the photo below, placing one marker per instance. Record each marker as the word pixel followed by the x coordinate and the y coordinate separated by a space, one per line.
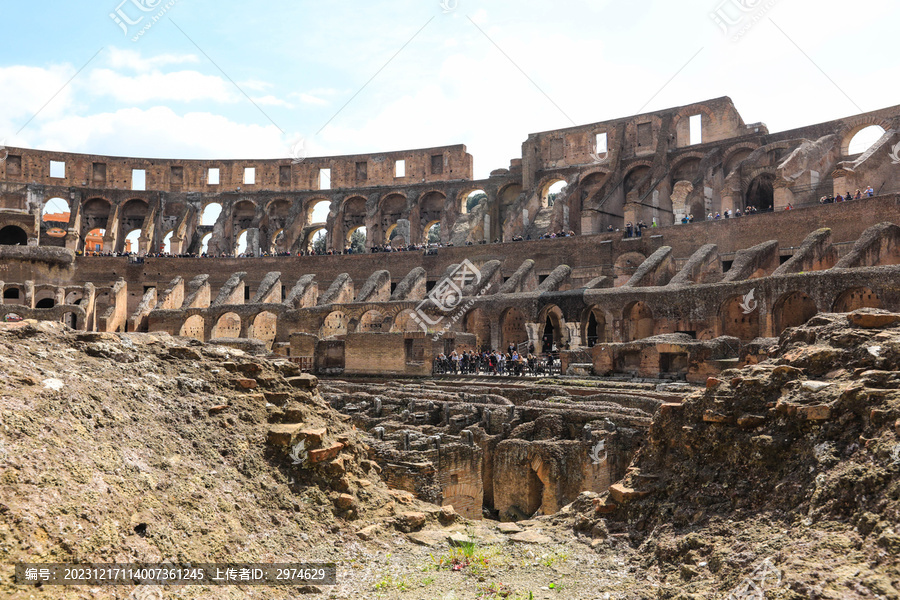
pixel 138 179
pixel 249 175
pixel 58 169
pixel 644 134
pixel 284 175
pixel 400 168
pixel 696 129
pixel 98 173
pixel 600 144
pixel 212 176
pixel 362 171
pixel 324 179
pixel 437 164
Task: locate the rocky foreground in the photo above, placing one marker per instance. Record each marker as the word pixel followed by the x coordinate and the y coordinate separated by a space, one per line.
pixel 779 480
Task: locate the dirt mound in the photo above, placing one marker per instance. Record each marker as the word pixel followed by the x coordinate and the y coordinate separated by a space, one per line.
pixel 140 448
pixel 795 460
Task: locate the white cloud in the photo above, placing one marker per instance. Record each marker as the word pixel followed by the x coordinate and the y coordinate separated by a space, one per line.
pixel 159 132
pixel 28 91
pixel 272 101
pixel 310 99
pixel 134 60
pixel 180 86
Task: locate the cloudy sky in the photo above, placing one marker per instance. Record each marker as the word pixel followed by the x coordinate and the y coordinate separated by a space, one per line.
pixel 225 79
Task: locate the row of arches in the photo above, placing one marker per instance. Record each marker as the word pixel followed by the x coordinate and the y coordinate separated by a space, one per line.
pixel 550 331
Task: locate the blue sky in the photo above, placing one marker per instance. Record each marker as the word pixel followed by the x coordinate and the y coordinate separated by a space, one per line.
pixel 351 77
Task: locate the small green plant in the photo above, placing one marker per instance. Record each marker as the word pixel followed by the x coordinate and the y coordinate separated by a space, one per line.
pixel 467 555
pixel 548 560
pixel 390 582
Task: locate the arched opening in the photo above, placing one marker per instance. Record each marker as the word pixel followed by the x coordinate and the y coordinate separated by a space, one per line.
pixel 74 298
pixel 371 322
pixel 204 243
pixel 761 193
pixel 404 321
pixel 638 321
pixel 131 219
pixel 551 191
pixel 210 214
pixel 13 236
pixel 594 331
pixel 167 243
pixel 477 322
pixel 93 241
pixel 317 241
pixel 45 303
pixel 506 202
pixel 56 211
pixel 864 139
pixel 277 244
pixel 278 209
pixel 548 340
pixel 471 200
pixel 228 326
pixel 626 266
pixel 636 183
pixel 433 233
pixel 734 160
pixel 534 493
pixel 70 320
pixel 736 320
pixel 552 330
pixel 334 325
pixel 431 210
pixel 354 215
pixel 792 310
pixel 94 218
pixel 854 298
pixel 393 209
pixel 131 242
pixel 244 215
pixel 317 212
pixel 356 240
pixel 513 329
pixel 264 328
pixel 193 327
pixel 240 247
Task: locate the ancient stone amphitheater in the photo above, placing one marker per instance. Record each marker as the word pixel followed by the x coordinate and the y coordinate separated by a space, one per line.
pixel 551 272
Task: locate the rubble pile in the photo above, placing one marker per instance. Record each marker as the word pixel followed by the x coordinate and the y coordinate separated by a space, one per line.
pixel 795 460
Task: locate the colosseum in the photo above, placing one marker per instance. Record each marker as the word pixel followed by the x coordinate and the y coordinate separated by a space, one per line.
pixel 652 251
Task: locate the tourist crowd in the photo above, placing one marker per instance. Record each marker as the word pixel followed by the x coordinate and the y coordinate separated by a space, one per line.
pixel 849 196
pixel 494 362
